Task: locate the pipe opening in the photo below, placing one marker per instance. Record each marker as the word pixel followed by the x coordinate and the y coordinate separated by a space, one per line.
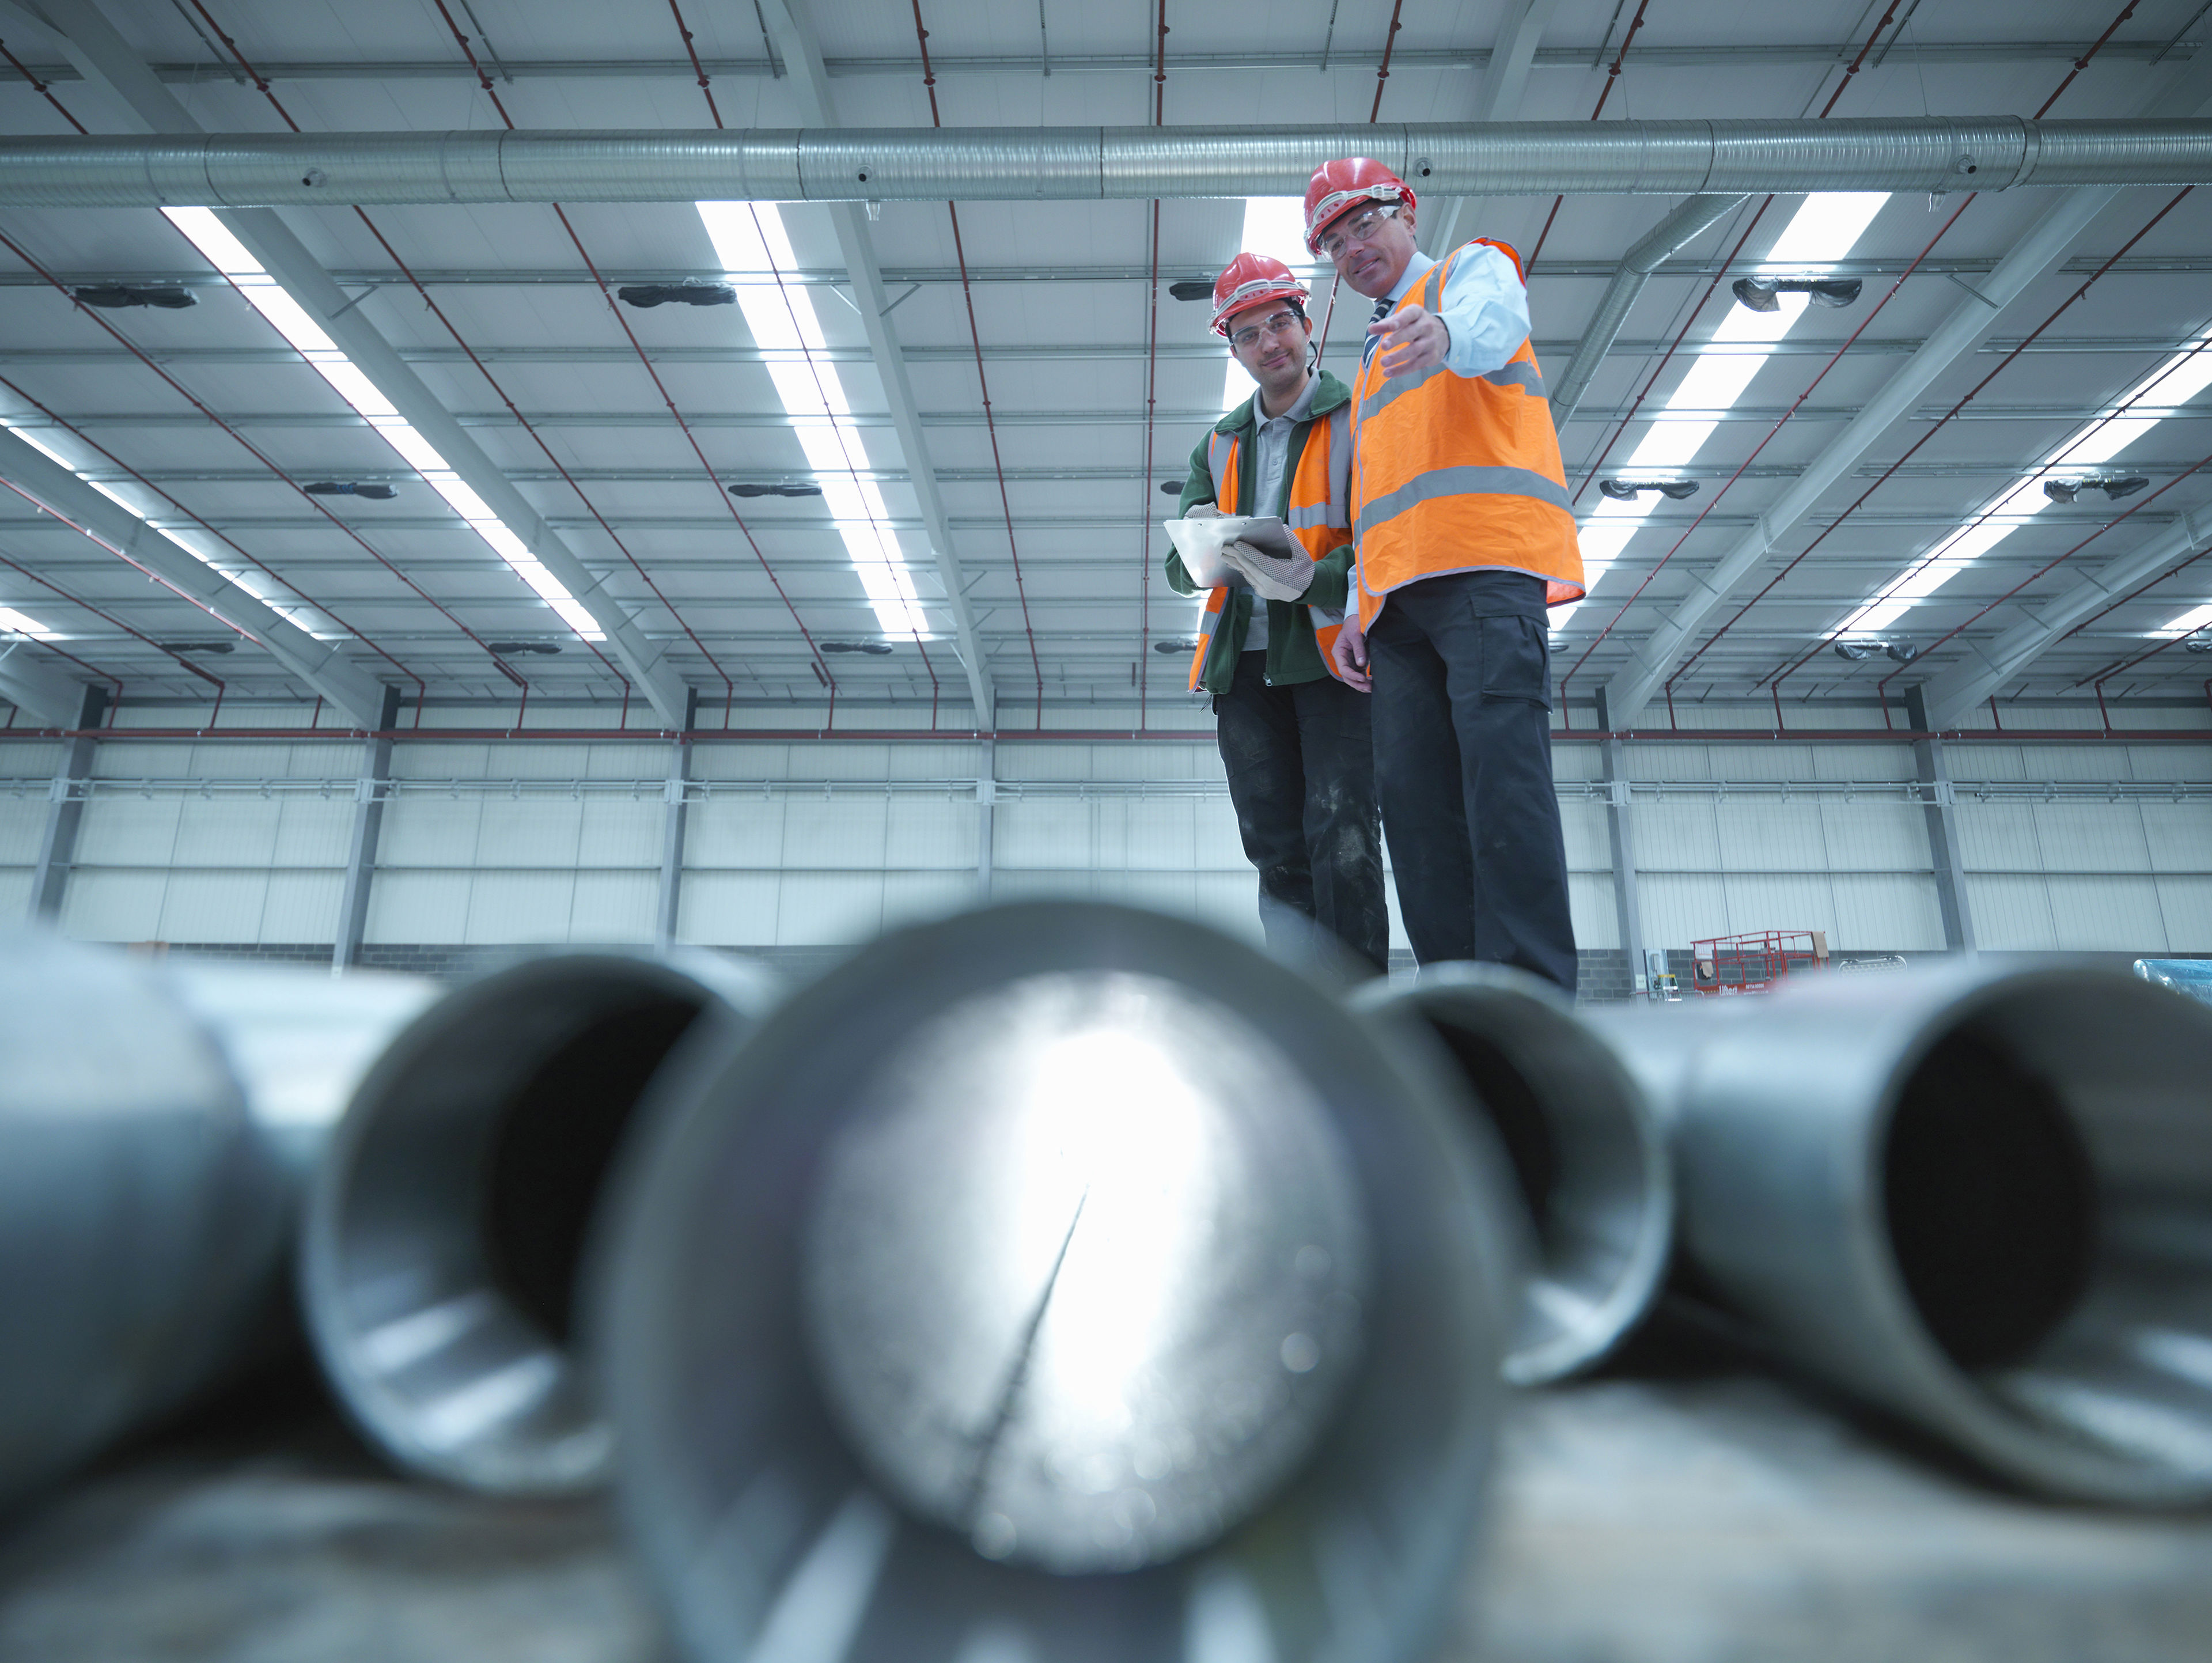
pixel 1517 1114
pixel 551 1150
pixel 1991 1203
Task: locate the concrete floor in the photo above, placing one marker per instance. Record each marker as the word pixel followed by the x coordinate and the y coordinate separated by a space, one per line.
pixel 1713 1515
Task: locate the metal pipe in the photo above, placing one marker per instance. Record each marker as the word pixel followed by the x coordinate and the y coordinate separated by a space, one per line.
pixel 1977 1197
pixel 443 1232
pixel 1517 158
pixel 1057 1280
pixel 1585 1148
pixel 155 1124
pixel 1669 237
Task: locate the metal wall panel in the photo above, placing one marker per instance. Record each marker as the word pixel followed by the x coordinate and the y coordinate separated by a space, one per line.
pixel 1875 834
pixel 519 907
pixel 2092 837
pixel 22 826
pixel 423 830
pixel 1998 837
pixel 1676 834
pixel 1588 847
pixel 1755 834
pixel 623 831
pixel 823 908
pixel 728 908
pixel 230 831
pixel 122 905
pixel 931 831
pixel 1680 908
pixel 428 906
pixel 212 905
pixel 301 906
pixel 838 832
pixel 1589 899
pixel 15 893
pixel 123 830
pixel 1885 911
pixel 2107 913
pixel 2185 903
pixel 2011 914
pixel 2177 836
pixel 536 830
pixel 614 906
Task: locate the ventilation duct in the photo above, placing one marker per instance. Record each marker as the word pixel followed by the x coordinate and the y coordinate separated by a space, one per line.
pixel 1057 1281
pixel 1029 164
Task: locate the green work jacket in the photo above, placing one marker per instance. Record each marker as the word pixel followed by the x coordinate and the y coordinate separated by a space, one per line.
pixel 1293 655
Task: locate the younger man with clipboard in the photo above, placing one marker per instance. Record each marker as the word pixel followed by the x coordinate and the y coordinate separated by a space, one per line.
pixel 1295 740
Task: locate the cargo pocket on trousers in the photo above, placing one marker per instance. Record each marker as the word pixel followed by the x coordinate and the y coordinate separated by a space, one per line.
pixel 1516 660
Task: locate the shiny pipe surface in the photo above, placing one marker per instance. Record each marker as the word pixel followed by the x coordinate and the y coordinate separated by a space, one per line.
pixel 1981 1198
pixel 1056 1281
pixel 1463 158
pixel 438 1256
pixel 1586 1151
pixel 141 1214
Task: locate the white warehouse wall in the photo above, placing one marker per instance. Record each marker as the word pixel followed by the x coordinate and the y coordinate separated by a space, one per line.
pixel 805 843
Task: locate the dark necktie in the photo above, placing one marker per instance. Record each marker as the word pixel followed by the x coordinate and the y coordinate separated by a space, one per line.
pixel 1382 311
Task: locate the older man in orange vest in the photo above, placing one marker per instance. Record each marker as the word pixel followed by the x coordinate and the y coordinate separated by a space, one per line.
pixel 1463 535
pixel 1294 739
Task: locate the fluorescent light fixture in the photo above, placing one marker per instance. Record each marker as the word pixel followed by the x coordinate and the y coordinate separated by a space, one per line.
pixel 2172 384
pixel 18 623
pixel 751 242
pixel 290 320
pixel 2187 624
pixel 1274 226
pixel 1823 231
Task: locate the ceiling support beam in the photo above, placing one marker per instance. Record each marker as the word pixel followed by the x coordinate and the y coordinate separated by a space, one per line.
pixel 1653 660
pixel 102 55
pixel 40 691
pixel 1676 231
pixel 1505 78
pixel 794 35
pixel 1989 665
pixel 41 480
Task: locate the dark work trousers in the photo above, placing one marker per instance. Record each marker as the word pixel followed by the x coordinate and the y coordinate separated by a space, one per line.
pixel 1463 766
pixel 1301 765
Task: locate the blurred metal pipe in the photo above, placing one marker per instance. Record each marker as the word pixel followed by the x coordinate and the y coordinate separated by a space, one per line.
pixel 1585 1147
pixel 1459 158
pixel 1668 238
pixel 157 1124
pixel 1054 1240
pixel 1980 1199
pixel 444 1229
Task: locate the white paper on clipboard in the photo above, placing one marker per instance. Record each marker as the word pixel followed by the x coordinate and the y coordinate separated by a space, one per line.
pixel 1199 542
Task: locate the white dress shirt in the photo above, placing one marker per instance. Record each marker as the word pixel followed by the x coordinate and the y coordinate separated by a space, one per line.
pixel 1485 306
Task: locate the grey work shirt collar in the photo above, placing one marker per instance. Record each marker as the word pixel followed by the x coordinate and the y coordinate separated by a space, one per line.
pixel 1272 450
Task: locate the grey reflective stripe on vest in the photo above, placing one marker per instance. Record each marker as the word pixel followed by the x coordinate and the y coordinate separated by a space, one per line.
pixel 1336 510
pixel 1460 481
pixel 1518 375
pixel 1395 389
pixel 1220 460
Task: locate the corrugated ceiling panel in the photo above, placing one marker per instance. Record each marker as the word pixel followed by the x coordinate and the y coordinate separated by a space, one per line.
pixel 2011 914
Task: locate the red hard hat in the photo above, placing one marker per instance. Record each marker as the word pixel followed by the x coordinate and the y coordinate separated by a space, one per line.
pixel 1338 187
pixel 1251 280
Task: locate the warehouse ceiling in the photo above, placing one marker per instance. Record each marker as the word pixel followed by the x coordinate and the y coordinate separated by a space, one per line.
pixel 713 484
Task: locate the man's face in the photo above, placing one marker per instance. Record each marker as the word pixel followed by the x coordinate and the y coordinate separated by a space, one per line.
pixel 1270 340
pixel 1370 245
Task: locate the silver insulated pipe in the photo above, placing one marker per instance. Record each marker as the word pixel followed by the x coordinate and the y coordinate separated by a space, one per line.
pixel 1033 164
pixel 440 1253
pixel 1980 1199
pixel 1585 1149
pixel 1056 1281
pixel 157 1124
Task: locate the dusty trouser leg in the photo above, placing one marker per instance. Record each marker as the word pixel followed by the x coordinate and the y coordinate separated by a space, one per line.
pixel 1418 784
pixel 1256 726
pixel 1480 674
pixel 1343 824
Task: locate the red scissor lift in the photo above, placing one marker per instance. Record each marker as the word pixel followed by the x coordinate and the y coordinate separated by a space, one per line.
pixel 1753 963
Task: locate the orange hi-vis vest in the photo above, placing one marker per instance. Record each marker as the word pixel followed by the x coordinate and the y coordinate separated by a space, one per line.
pixel 1457 473
pixel 1317 513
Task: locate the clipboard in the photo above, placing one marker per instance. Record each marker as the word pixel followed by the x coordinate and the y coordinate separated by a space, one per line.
pixel 1199 542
